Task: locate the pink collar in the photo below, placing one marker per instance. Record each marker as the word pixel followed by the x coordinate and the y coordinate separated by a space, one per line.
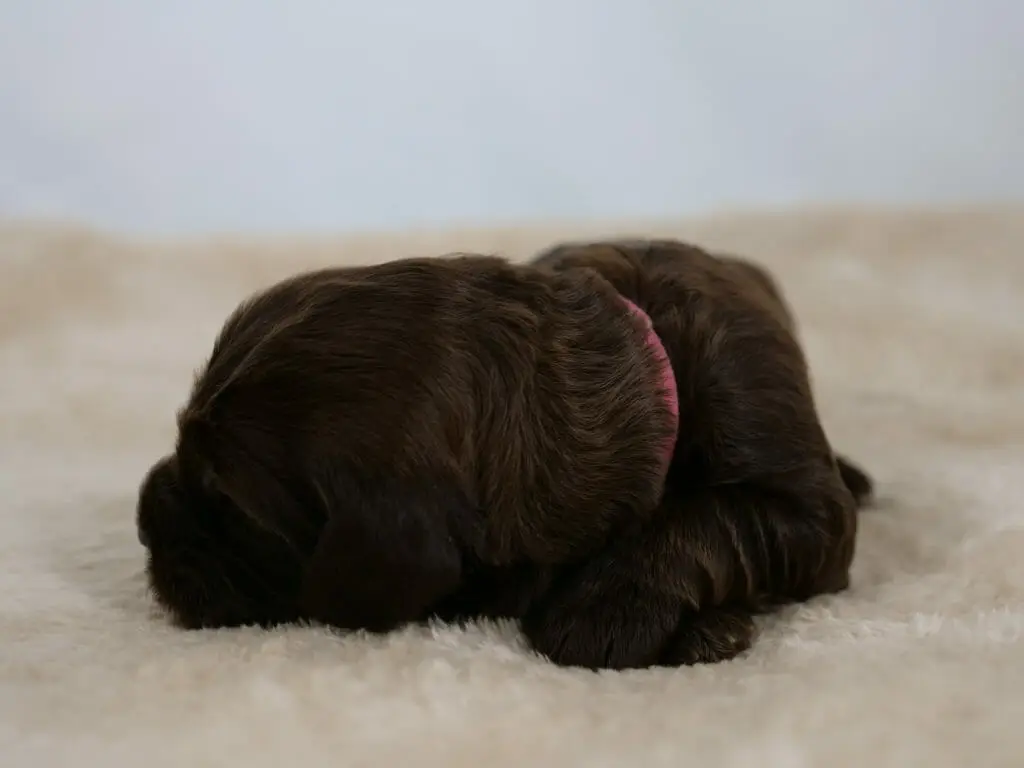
pixel 668 378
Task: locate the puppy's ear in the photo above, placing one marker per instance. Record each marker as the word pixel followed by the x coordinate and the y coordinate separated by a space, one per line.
pixel 389 552
pixel 257 474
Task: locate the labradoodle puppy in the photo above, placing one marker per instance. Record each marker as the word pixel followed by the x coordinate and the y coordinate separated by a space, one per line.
pixel 616 445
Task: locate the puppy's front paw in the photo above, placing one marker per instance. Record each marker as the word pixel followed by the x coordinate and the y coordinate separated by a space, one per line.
pixel 602 629
pixel 709 636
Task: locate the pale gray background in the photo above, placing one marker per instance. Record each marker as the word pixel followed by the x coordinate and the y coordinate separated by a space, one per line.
pixel 191 115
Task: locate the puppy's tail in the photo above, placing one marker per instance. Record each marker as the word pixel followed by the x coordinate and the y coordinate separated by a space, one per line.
pixel 857 480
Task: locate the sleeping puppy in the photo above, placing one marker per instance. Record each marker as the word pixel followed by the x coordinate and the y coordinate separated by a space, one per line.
pixel 616 445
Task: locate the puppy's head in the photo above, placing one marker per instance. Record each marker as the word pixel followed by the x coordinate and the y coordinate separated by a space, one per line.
pixel 301 486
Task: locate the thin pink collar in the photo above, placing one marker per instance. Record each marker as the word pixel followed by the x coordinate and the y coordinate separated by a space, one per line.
pixel 668 378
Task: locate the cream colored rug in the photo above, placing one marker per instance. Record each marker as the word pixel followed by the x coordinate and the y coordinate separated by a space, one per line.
pixel 914 324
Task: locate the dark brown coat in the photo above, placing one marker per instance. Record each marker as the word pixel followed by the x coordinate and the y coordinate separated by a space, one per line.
pixel 463 437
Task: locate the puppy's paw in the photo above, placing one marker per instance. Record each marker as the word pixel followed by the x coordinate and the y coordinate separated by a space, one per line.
pixel 602 629
pixel 709 636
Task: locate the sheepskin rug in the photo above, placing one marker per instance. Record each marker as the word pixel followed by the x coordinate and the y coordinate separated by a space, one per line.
pixel 914 325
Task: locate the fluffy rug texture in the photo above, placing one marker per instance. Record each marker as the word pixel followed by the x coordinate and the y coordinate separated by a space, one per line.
pixel 914 325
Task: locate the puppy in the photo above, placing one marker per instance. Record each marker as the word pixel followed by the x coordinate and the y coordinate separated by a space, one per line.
pixel 463 437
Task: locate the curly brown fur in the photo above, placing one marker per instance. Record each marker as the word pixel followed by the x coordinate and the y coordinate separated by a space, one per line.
pixel 462 437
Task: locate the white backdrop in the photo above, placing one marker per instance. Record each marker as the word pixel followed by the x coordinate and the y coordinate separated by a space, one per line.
pixel 331 114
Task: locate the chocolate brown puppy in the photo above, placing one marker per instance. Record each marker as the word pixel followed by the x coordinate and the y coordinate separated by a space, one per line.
pixel 362 441
pixel 462 437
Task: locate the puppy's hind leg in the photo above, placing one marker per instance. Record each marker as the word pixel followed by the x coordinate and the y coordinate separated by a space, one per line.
pixel 686 588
